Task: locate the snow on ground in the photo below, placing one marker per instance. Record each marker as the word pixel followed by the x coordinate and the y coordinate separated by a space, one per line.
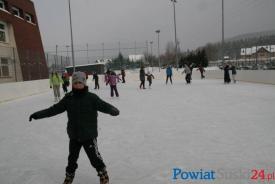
pixel 206 125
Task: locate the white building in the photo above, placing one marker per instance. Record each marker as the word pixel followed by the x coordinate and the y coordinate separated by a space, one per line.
pixel 135 58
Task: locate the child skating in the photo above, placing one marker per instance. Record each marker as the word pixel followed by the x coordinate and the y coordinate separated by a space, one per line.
pixel 82 107
pixel 95 78
pixel 142 78
pixel 188 73
pixel 150 77
pixel 112 80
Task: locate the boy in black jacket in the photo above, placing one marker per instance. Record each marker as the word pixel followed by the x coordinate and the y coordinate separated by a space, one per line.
pixel 81 107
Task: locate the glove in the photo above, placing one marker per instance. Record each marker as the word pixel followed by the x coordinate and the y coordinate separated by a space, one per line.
pixel 114 111
pixel 33 116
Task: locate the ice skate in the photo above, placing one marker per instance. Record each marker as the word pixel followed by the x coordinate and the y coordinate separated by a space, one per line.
pixel 103 177
pixel 69 178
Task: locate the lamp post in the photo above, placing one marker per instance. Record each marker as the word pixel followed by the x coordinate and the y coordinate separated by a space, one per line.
pixel 72 42
pixel 67 58
pixel 56 58
pixel 151 55
pixel 88 60
pixel 103 51
pixel 158 31
pixel 223 31
pixel 176 40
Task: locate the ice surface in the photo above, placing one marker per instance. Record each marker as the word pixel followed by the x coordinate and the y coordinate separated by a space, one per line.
pixel 206 125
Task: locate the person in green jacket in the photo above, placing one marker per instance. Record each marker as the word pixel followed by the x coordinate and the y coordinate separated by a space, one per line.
pixel 82 107
pixel 55 81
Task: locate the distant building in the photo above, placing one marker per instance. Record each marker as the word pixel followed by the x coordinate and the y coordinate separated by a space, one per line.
pixel 89 69
pixel 135 58
pixel 21 51
pixel 259 52
pixel 103 61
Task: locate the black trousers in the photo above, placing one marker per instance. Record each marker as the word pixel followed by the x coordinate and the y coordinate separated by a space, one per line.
pixel 169 77
pixel 188 78
pixel 150 82
pixel 96 84
pixel 113 88
pixel 142 84
pixel 202 76
pixel 91 150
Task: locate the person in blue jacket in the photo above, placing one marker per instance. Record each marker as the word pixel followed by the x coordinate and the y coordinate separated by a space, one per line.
pixel 169 74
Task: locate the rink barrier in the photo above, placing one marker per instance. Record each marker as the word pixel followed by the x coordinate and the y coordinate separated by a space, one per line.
pixel 15 90
pixel 11 91
pixel 253 76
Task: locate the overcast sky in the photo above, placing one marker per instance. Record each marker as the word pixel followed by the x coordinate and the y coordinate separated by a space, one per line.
pixel 111 21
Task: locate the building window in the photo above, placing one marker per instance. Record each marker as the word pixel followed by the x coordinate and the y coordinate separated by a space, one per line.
pixel 17 12
pixel 2 5
pixel 4 67
pixel 3 32
pixel 29 18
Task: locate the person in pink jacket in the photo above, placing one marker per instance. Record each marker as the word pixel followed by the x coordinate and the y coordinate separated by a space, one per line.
pixel 112 80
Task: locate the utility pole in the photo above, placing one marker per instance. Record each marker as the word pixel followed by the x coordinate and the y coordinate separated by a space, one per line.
pixel 270 55
pixel 67 59
pixel 158 31
pixel 72 40
pixel 118 47
pixel 119 55
pixel 176 40
pixel 222 31
pixel 102 51
pixel 88 53
pixel 151 57
pixel 151 45
pixel 135 49
pixel 147 53
pixel 257 55
pixel 56 57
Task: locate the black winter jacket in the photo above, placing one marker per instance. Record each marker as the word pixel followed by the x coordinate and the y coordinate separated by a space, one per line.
pixel 82 113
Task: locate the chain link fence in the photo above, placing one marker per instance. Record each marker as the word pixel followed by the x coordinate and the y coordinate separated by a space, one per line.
pixel 91 53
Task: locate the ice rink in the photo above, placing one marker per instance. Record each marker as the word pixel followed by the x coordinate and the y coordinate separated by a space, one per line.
pixel 206 125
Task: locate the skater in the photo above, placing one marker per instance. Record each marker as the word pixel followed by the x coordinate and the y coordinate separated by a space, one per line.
pixel 202 70
pixel 142 78
pixel 169 74
pixel 81 107
pixel 234 73
pixel 123 75
pixel 95 78
pixel 187 72
pixel 149 78
pixel 66 82
pixel 106 76
pixel 227 79
pixel 191 66
pixel 112 80
pixel 55 81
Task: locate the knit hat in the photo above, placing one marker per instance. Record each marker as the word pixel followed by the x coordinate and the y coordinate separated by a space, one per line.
pixel 79 77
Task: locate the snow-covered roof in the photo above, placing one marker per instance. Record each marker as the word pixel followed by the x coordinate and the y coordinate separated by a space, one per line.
pixel 86 65
pixel 136 57
pixel 253 50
